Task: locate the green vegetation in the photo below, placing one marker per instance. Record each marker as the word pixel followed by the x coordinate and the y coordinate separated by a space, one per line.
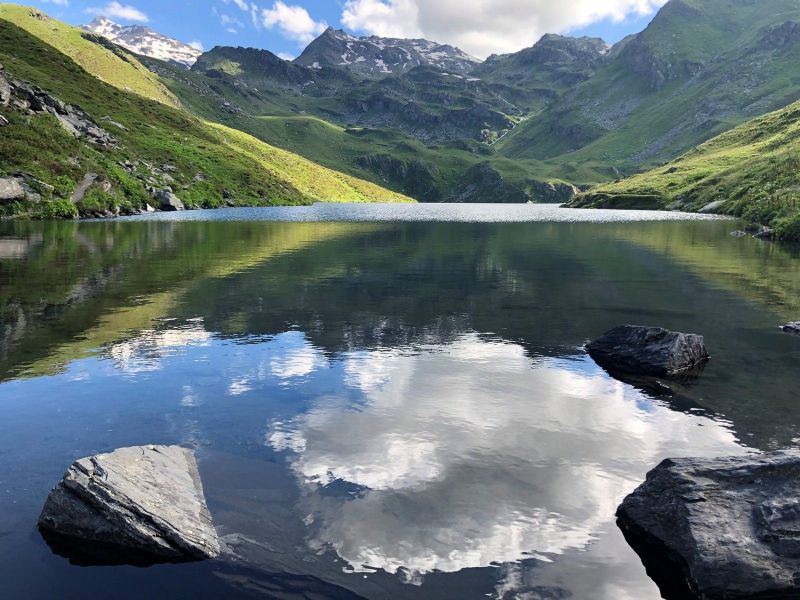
pixel 158 145
pixel 700 68
pixel 751 171
pixel 121 70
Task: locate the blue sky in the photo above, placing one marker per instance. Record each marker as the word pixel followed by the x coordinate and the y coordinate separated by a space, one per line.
pixel 286 26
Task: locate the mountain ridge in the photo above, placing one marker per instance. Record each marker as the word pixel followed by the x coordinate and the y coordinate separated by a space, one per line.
pixel 143 40
pixel 375 57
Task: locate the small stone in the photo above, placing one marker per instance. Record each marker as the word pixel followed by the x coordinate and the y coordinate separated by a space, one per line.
pixel 3 121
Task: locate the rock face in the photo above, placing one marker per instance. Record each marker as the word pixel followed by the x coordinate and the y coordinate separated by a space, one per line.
pixel 377 57
pixel 793 327
pixel 650 351
pixel 147 500
pixel 731 525
pixel 31 99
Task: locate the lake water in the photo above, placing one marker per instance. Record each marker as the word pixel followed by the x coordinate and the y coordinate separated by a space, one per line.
pixel 386 402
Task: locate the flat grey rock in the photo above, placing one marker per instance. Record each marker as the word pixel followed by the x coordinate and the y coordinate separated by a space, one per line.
pixel 712 207
pixel 730 525
pixel 650 351
pixel 147 500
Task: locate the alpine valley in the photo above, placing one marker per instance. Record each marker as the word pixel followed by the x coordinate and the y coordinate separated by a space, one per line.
pixel 376 119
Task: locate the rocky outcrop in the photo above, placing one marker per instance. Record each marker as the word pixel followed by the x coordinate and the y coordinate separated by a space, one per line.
pixel 729 527
pixel 167 200
pixel 649 351
pixel 793 327
pixel 31 99
pixel 484 183
pixel 23 186
pixel 412 177
pixel 553 192
pixel 145 500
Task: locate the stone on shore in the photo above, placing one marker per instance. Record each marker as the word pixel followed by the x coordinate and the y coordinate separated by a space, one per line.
pixel 650 351
pixel 167 200
pixel 11 189
pixel 728 527
pixel 146 500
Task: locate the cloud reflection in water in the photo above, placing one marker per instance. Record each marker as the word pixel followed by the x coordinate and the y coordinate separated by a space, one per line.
pixel 471 454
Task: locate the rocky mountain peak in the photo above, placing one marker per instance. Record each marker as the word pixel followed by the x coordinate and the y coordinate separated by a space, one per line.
pixel 375 57
pixel 143 40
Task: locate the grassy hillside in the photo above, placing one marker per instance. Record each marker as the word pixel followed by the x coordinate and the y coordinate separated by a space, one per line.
pixel 317 127
pixel 752 171
pixel 159 145
pixel 120 70
pixel 700 68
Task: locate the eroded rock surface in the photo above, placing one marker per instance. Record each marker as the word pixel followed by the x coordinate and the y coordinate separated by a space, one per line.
pixel 651 351
pixel 730 525
pixel 146 499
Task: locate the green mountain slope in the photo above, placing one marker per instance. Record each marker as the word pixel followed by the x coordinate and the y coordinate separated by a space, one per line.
pixel 103 61
pixel 156 145
pixel 750 171
pixel 700 67
pixel 256 92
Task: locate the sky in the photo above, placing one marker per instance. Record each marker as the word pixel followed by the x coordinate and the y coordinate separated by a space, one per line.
pixel 479 27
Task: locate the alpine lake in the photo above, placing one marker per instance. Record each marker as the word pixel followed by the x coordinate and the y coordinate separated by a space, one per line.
pixel 386 401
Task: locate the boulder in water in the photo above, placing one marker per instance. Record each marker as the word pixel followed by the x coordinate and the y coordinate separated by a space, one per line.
pixel 649 351
pixel 721 527
pixel 793 327
pixel 145 500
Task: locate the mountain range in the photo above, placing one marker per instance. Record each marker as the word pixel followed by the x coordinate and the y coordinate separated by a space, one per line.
pixel 543 124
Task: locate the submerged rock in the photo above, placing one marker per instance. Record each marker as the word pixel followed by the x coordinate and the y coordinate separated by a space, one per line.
pixel 146 500
pixel 793 327
pixel 651 351
pixel 727 527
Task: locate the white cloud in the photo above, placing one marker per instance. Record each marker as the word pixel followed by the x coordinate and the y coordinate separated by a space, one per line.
pixel 482 27
pixel 240 3
pixel 293 21
pixel 125 12
pixel 197 45
pixel 58 2
pixel 231 24
pixel 285 56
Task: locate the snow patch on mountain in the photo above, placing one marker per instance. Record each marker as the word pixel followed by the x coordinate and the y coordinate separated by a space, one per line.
pixel 143 40
pixel 378 57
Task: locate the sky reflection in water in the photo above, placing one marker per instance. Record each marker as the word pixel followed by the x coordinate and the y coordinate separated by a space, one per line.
pixel 394 410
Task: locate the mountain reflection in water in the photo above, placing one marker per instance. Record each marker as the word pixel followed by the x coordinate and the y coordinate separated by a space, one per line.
pixel 382 409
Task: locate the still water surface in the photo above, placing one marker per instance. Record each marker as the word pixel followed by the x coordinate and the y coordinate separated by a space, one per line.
pixel 386 402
